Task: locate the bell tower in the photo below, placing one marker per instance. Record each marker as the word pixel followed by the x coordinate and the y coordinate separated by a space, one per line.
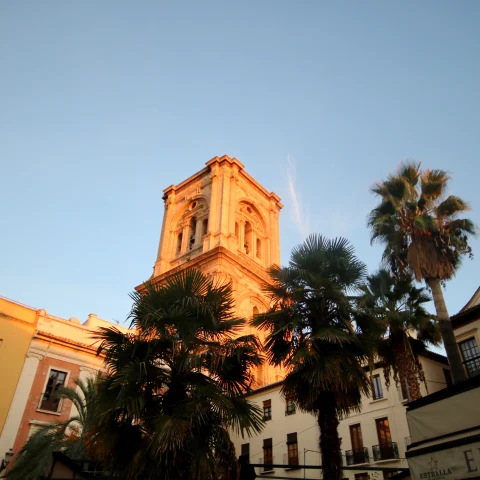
pixel 224 222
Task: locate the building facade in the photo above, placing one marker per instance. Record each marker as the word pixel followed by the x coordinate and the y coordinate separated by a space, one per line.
pixel 222 221
pixel 466 324
pixel 17 326
pixel 57 352
pixel 377 436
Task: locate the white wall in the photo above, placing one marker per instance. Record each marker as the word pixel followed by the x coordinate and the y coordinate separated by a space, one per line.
pixel 305 425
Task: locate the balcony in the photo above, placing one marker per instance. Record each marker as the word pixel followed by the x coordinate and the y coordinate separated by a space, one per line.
pixel 291 461
pixel 266 464
pixel 357 456
pixel 385 451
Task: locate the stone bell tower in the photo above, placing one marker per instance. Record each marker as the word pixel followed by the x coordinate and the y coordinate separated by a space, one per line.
pixel 224 222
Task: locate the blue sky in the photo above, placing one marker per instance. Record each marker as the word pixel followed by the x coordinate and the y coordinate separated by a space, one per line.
pixel 104 104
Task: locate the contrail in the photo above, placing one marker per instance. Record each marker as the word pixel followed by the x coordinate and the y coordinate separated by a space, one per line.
pixel 300 218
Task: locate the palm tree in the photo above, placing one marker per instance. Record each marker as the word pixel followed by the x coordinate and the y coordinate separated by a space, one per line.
pixel 71 436
pixel 397 309
pixel 422 231
pixel 176 386
pixel 310 333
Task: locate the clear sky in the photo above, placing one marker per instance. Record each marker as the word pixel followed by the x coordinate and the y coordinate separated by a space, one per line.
pixel 105 103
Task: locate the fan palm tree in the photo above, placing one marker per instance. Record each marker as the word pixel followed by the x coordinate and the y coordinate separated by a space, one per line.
pixel 310 333
pixel 70 437
pixel 176 386
pixel 422 231
pixel 402 326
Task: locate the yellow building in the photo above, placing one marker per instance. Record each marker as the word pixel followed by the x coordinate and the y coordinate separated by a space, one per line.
pixel 17 326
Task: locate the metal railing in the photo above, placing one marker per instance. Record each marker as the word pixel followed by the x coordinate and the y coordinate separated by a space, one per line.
pixel 266 464
pixel 385 451
pixel 357 456
pixel 290 462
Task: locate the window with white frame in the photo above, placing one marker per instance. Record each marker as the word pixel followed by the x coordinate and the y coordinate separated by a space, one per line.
pixel 50 401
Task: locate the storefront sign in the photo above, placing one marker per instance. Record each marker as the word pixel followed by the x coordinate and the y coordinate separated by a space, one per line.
pixel 460 462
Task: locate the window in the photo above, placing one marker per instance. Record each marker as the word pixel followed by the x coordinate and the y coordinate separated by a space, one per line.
pixel 290 407
pixel 267 453
pixel 404 390
pixel 383 431
pixel 246 451
pixel 191 237
pixel 205 227
pixel 248 238
pixel 259 248
pixel 362 476
pixel 50 399
pixel 471 356
pixel 448 377
pixel 236 229
pixel 357 454
pixel 179 243
pixel 267 410
pixel 292 447
pixel 377 387
pixel 254 312
pixel 356 437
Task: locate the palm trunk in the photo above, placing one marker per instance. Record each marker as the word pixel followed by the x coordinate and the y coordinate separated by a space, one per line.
pixel 329 439
pixel 406 366
pixel 453 354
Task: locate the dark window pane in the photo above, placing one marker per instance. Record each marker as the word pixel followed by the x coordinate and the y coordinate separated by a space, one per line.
pixel 471 356
pixel 377 390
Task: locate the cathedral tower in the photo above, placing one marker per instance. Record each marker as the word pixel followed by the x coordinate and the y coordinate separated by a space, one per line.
pixel 224 222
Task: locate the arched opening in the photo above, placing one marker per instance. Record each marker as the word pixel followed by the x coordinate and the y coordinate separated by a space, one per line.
pixel 236 229
pixel 179 243
pixel 205 227
pixel 254 312
pixel 258 249
pixel 248 238
pixel 191 232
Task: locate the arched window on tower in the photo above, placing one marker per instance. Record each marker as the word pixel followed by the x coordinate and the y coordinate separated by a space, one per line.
pixel 258 250
pixel 205 227
pixel 179 243
pixel 255 312
pixel 248 236
pixel 191 232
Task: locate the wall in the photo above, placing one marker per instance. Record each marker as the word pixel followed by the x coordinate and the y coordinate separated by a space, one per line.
pixel 17 325
pixel 390 406
pixel 64 345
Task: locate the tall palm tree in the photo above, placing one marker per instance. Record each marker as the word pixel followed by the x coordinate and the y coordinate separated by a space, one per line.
pixel 421 230
pixel 310 333
pixel 176 386
pixel 71 436
pixel 402 326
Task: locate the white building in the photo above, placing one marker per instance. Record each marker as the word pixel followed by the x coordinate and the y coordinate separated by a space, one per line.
pixel 376 437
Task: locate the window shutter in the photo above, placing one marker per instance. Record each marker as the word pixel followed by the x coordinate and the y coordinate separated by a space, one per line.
pixel 291 438
pixel 267 443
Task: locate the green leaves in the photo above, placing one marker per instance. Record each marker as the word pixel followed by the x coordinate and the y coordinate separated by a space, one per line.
pixel 178 382
pixel 415 221
pixel 309 325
